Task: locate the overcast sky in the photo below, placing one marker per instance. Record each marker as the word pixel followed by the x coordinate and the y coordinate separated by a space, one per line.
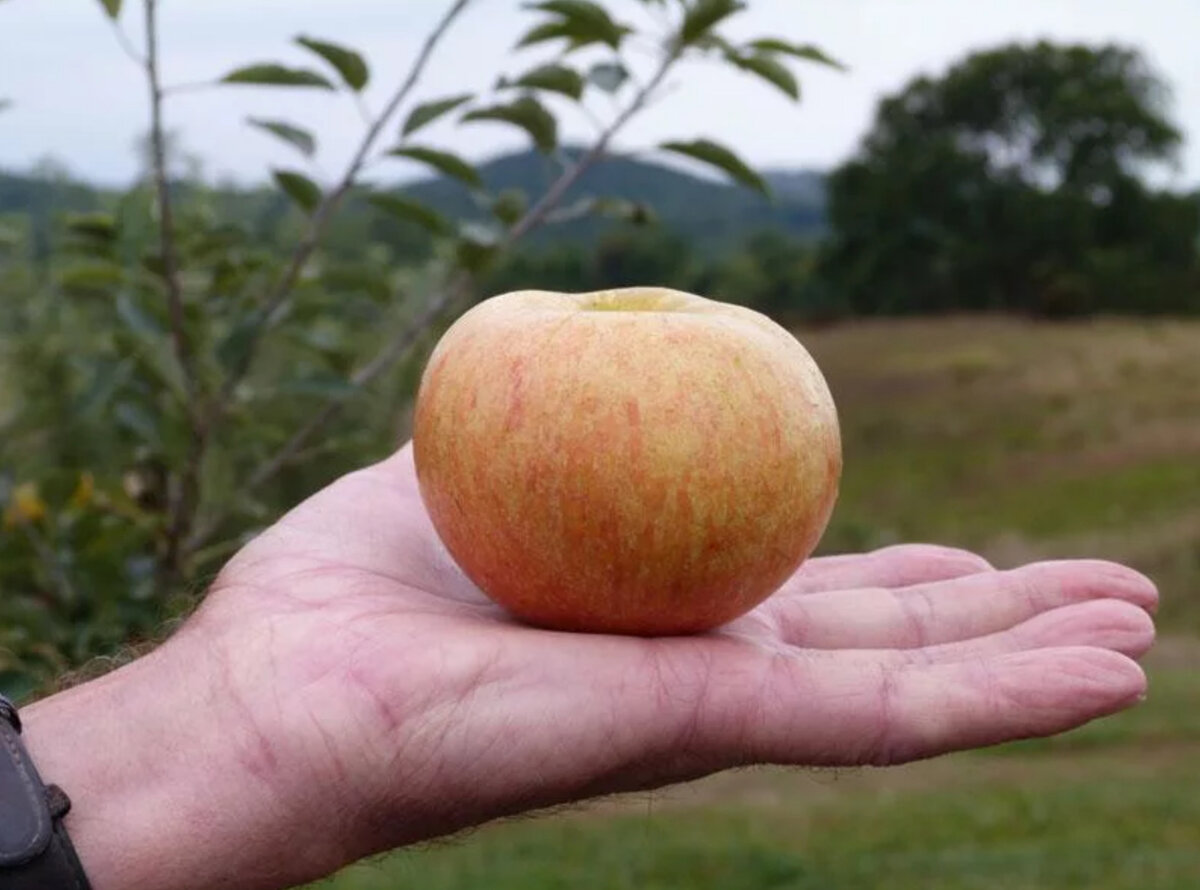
pixel 78 98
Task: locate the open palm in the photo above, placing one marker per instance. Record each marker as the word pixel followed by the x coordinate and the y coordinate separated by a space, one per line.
pixel 377 676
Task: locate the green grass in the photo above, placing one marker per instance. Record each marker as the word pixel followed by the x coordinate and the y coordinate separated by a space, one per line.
pixel 1022 441
pixel 1065 503
pixel 1012 839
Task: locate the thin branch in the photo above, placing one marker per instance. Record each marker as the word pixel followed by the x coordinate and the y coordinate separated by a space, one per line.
pixel 332 199
pixel 579 210
pixel 184 495
pixel 647 48
pixel 396 348
pixel 593 118
pixel 535 216
pixel 126 44
pixel 661 96
pixel 392 351
pixel 170 256
pixel 537 213
pixel 364 111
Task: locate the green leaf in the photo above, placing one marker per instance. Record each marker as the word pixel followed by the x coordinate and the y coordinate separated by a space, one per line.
pixel 509 206
pixel 90 278
pixel 608 76
pixel 544 33
pixel 717 42
pixel 704 15
pixel 273 75
pixel 429 112
pixel 299 188
pixel 349 64
pixel 234 348
pixel 298 138
pixel 709 152
pixel 588 20
pixel 99 227
pixel 553 78
pixel 137 320
pixel 806 52
pixel 442 161
pixel 580 22
pixel 408 210
pixel 527 113
pixel 477 247
pixel 350 278
pixel 770 70
pixel 153 263
pixel 112 7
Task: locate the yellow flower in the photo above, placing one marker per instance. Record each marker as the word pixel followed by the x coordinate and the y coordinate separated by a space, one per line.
pixel 84 491
pixel 25 505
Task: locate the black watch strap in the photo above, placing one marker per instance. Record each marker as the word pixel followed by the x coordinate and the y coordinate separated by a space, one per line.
pixel 35 852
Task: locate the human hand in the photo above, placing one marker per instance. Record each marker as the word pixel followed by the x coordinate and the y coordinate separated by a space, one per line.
pixel 344 690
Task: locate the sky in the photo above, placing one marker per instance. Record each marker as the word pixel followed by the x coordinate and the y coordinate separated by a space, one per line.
pixel 79 99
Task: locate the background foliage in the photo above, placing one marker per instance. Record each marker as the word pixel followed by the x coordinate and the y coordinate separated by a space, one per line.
pixel 181 362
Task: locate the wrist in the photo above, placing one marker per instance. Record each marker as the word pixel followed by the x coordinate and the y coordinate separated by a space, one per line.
pixel 170 789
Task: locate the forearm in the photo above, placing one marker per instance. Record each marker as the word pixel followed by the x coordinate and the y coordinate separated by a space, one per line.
pixel 164 785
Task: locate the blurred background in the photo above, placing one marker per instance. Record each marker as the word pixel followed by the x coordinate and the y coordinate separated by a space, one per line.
pixel 231 232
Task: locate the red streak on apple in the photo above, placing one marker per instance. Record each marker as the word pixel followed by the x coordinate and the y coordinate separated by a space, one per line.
pixel 640 461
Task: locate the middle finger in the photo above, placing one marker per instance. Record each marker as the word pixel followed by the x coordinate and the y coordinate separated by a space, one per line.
pixel 947 611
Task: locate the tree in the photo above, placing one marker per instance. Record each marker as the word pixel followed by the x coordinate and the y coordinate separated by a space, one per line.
pixel 187 372
pixel 993 186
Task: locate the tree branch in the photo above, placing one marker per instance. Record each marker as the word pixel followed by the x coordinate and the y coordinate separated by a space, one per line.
pixel 396 348
pixel 184 496
pixel 126 44
pixel 170 256
pixel 332 200
pixel 392 351
pixel 537 213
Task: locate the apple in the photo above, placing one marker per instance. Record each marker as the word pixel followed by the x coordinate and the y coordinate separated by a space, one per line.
pixel 637 461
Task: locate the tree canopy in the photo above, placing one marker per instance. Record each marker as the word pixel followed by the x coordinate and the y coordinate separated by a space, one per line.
pixel 1017 180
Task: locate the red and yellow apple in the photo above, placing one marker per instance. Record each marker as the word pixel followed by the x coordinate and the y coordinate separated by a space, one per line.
pixel 639 461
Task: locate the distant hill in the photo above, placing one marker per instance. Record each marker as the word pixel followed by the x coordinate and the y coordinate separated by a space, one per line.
pixel 708 212
pixel 798 186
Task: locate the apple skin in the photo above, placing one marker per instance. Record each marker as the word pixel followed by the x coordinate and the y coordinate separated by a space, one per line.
pixel 639 461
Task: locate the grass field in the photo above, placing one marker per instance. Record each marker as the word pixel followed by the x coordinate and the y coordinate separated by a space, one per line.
pixel 1022 441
